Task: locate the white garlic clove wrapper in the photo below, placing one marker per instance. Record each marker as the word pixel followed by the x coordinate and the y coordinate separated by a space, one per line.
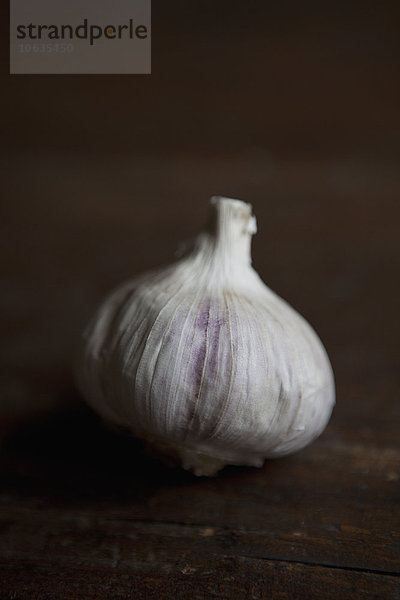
pixel 204 361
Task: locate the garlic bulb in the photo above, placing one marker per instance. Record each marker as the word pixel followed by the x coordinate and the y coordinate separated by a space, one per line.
pixel 204 361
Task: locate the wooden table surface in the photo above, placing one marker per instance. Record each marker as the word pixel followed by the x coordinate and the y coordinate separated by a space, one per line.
pixel 104 182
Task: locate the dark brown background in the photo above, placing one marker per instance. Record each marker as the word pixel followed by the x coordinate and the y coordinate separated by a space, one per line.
pixel 294 107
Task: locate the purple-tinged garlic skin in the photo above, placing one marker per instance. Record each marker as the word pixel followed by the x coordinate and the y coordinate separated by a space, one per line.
pixel 204 361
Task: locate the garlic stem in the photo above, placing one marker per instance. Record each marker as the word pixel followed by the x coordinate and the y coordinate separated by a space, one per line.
pixel 235 226
pixel 224 252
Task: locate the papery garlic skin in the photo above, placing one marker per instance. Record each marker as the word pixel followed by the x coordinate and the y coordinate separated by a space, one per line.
pixel 204 361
